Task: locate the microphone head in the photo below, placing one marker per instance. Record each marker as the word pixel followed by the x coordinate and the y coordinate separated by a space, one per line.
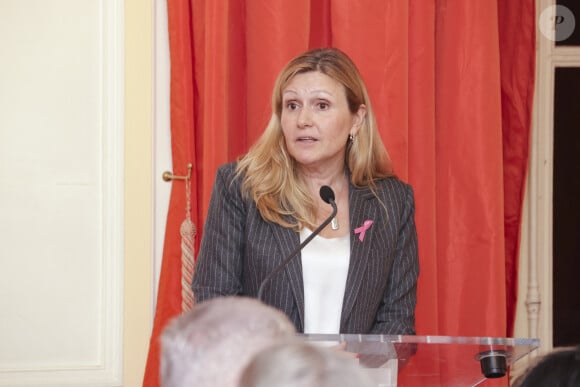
pixel 327 194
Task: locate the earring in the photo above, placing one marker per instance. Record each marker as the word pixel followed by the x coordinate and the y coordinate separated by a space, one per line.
pixel 350 137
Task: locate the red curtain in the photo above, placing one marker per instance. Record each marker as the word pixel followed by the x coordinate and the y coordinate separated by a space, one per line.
pixel 451 83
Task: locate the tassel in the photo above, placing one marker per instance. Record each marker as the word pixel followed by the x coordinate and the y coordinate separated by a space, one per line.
pixel 188 232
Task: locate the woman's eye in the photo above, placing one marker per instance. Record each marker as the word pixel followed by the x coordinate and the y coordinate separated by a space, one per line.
pixel 322 105
pixel 291 105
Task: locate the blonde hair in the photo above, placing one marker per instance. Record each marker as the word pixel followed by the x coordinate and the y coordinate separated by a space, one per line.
pixel 269 173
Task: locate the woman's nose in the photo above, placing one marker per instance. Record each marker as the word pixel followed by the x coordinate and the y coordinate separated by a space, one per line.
pixel 304 117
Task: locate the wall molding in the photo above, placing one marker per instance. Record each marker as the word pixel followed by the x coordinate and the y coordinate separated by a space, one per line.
pixel 536 255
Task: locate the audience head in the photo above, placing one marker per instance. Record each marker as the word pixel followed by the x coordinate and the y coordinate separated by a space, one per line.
pixel 560 368
pixel 300 364
pixel 212 343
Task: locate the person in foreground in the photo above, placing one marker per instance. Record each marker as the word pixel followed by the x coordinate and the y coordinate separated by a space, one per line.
pixel 211 344
pixel 560 368
pixel 300 364
pixel 359 275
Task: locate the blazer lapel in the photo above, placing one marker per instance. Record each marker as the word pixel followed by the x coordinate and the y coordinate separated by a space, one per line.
pixel 363 206
pixel 288 240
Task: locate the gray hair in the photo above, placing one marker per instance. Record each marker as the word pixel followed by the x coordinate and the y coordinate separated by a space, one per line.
pixel 301 364
pixel 211 344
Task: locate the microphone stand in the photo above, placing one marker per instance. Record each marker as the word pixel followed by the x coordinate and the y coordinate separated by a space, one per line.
pixel 287 260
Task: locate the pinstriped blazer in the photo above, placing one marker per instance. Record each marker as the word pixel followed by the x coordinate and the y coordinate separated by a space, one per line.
pixel 239 249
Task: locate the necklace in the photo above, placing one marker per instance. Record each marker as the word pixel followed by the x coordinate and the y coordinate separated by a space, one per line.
pixel 334 224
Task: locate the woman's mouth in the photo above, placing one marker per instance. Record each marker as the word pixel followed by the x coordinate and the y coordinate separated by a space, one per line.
pixel 306 139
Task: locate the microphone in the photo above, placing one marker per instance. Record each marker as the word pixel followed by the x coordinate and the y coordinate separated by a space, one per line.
pixel 327 194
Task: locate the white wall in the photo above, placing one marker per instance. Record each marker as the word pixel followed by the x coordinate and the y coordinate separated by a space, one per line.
pixel 61 192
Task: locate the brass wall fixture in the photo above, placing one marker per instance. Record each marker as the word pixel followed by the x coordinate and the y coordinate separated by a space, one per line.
pixel 168 176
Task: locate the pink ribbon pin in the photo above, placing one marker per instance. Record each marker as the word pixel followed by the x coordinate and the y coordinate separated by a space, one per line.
pixel 363 229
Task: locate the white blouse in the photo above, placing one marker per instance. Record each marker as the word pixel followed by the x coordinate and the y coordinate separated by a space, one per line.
pixel 324 270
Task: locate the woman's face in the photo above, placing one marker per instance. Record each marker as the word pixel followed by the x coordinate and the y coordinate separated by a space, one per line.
pixel 316 121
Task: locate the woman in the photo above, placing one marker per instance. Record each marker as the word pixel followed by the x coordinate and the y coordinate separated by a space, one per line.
pixel 359 274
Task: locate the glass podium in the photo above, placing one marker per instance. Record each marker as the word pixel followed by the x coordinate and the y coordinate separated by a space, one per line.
pixel 429 360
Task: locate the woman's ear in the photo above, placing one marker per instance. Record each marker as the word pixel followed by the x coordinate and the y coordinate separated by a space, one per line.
pixel 359 118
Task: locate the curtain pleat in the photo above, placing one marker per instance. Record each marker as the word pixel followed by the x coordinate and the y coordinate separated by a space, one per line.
pixel 451 82
pixel 517 43
pixel 421 155
pixel 469 203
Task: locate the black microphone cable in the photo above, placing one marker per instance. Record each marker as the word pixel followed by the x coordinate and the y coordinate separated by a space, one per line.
pixel 327 194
